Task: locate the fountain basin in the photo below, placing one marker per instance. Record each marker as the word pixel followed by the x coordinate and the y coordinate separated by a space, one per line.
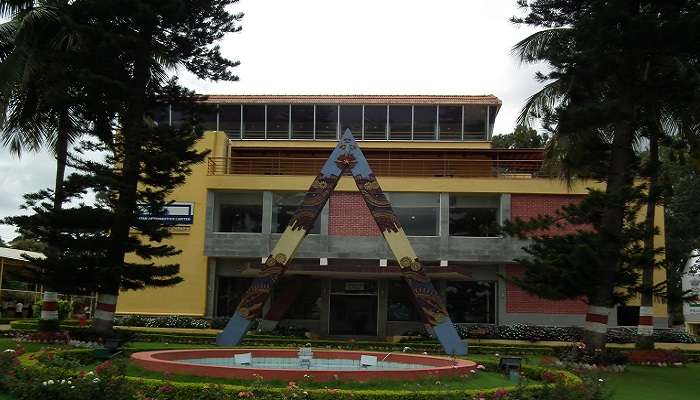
pixel 283 364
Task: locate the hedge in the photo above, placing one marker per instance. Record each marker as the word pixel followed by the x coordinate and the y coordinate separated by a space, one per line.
pixel 512 332
pixel 156 388
pixel 508 332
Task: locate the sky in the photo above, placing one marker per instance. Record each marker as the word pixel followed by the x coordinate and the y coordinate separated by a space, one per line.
pixel 441 47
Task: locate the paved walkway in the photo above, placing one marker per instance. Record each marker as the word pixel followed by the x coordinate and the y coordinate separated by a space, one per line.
pixel 4 327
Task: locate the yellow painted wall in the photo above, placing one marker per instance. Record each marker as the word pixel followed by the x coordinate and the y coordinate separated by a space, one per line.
pixel 189 297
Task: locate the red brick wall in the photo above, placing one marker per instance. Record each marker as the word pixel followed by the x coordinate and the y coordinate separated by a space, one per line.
pixel 517 300
pixel 348 215
pixel 520 302
pixel 526 206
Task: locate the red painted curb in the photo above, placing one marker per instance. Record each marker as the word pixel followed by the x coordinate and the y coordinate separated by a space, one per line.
pixel 169 361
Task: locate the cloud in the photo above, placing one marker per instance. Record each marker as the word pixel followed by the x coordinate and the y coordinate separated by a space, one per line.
pixel 30 173
pixel 350 47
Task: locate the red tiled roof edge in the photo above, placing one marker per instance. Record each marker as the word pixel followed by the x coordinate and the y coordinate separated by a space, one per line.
pixel 354 99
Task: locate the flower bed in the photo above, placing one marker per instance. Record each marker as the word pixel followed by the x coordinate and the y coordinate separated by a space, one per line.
pixel 508 332
pixel 65 375
pixel 661 358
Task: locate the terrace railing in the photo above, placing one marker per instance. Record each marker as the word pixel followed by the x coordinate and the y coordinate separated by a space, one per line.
pixel 412 167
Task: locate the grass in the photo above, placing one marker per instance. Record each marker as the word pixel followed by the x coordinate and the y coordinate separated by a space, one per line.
pixel 637 383
pixel 7 343
pixel 482 380
pixel 653 383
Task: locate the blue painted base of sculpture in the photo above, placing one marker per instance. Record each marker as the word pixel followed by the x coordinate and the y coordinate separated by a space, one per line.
pixel 446 334
pixel 234 331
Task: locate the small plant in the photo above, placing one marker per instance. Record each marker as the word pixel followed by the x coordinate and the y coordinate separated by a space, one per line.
pixel 657 357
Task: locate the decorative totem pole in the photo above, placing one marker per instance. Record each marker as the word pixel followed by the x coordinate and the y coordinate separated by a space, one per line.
pixel 346 156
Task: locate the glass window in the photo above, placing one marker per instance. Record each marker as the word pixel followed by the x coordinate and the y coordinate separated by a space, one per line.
pixel 627 316
pixel 230 120
pixel 179 117
pixel 419 213
pixel 284 206
pixel 307 303
pixel 450 123
pixel 375 122
pixel 160 115
pixel 475 216
pixel 400 118
pixel 303 122
pixel 424 122
pixel 351 118
pixel 492 118
pixel 229 291
pixel 278 122
pixel 474 122
pixel 400 305
pixel 206 117
pixel 327 122
pixel 241 212
pixel 253 122
pixel 471 302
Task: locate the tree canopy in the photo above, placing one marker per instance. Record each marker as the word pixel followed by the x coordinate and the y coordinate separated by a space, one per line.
pixel 523 137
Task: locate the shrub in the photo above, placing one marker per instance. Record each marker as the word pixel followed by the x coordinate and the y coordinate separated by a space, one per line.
pixel 579 354
pixel 656 357
pixel 64 308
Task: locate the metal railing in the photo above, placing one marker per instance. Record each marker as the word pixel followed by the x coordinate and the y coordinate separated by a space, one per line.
pixel 414 167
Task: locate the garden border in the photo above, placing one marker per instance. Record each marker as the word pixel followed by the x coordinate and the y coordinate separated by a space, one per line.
pixel 186 390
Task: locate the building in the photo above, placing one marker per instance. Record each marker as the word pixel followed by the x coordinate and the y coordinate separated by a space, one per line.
pixel 691 284
pixel 432 156
pixel 16 283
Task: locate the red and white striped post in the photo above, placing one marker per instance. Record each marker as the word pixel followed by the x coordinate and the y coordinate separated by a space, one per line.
pixel 597 319
pixel 104 311
pixel 645 326
pixel 49 306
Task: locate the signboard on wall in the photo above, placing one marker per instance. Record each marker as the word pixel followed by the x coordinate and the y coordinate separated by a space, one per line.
pixel 173 214
pixel 691 283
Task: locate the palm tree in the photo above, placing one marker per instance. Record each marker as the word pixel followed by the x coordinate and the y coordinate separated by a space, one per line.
pixel 35 91
pixel 580 151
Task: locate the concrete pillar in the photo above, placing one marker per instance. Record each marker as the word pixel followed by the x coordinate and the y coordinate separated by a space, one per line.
pixel 267 213
pixel 266 243
pixel 210 311
pixel 382 306
pixel 325 306
pixel 504 210
pixel 323 239
pixel 501 317
pixel 444 226
pixel 210 224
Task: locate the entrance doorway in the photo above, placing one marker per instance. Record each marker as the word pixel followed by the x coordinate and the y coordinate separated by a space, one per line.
pixel 353 308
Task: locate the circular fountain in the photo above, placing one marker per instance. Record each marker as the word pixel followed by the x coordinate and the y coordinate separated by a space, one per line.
pixel 292 364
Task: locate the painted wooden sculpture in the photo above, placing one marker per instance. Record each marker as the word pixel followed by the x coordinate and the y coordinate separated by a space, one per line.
pixel 346 156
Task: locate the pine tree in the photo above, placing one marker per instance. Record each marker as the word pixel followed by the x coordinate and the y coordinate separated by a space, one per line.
pixel 607 60
pixel 82 231
pixel 564 259
pixel 148 38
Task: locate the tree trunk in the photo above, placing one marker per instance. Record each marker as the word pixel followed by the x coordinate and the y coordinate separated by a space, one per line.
pixel 618 184
pixel 49 306
pixel 104 313
pixel 126 208
pixel 596 327
pixel 645 326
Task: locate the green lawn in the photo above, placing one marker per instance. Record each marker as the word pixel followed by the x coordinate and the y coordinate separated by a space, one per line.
pixel 637 383
pixel 655 383
pixel 482 380
pixel 7 343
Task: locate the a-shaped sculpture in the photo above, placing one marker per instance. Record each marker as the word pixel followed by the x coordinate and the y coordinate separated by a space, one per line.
pixel 347 156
